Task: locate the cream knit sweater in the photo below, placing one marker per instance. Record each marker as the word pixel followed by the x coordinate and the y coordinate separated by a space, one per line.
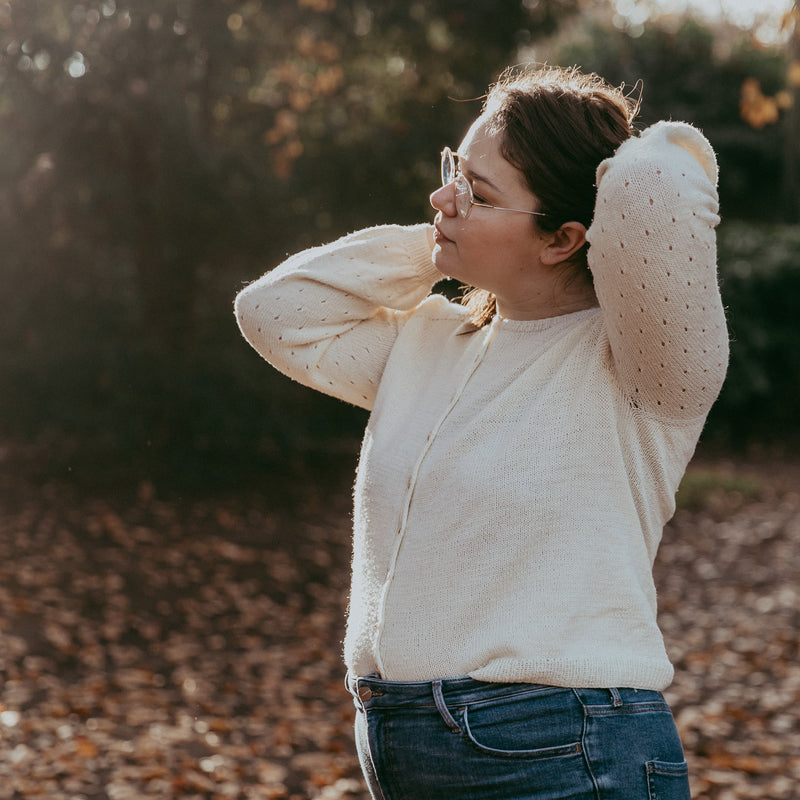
pixel 514 480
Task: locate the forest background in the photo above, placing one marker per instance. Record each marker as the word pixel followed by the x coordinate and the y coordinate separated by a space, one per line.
pixel 159 155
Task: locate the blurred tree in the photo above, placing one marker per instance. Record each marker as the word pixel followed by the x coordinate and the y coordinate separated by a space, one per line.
pixel 759 110
pixel 791 134
pixel 175 127
pixel 738 92
pixel 702 84
pixel 156 152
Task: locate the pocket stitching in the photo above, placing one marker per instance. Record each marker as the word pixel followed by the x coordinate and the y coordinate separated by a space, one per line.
pixel 516 694
pixel 629 708
pixel 667 769
pixel 557 751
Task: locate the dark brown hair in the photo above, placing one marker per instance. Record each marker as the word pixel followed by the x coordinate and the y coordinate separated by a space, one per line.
pixel 557 125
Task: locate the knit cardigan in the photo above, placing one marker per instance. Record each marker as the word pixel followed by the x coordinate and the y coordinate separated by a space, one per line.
pixel 514 479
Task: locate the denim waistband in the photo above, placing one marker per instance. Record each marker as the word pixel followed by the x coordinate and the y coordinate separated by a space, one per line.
pixel 372 691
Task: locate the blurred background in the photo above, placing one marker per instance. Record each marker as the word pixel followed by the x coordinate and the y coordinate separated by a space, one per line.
pixel 171 595
pixel 159 155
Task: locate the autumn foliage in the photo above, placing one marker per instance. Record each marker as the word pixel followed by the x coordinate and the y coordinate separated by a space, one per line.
pixel 190 648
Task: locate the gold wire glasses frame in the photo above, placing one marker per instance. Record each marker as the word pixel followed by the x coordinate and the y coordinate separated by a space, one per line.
pixel 465 199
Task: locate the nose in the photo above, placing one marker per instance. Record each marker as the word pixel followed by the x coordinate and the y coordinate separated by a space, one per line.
pixel 444 199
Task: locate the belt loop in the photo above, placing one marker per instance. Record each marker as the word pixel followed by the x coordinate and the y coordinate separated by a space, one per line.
pixel 616 698
pixel 438 698
pixel 351 683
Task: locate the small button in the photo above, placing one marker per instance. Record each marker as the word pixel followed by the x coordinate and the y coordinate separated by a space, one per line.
pixel 365 693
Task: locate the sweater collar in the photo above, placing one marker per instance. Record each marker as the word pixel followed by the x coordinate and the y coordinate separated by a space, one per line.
pixel 530 325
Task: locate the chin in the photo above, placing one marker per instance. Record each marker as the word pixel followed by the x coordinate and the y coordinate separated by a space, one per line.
pixel 440 261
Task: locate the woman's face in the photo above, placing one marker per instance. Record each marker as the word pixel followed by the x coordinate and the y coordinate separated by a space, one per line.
pixel 492 249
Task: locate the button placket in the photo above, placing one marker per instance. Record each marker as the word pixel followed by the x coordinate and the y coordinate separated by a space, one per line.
pixel 412 483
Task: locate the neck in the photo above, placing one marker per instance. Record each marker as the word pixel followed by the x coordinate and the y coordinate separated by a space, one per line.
pixel 546 307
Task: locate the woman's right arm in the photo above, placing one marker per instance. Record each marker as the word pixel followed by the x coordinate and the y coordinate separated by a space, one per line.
pixel 328 317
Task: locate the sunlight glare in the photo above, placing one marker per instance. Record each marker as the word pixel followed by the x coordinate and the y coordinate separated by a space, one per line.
pixel 75 65
pixel 762 17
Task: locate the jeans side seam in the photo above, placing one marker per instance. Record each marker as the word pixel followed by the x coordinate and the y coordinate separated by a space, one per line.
pixel 375 784
pixel 585 749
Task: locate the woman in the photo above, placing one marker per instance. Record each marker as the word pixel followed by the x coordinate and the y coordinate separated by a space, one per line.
pixel 523 450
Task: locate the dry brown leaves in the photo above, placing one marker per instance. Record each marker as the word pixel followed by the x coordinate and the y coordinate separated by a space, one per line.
pixel 173 650
pixel 729 598
pixel 191 649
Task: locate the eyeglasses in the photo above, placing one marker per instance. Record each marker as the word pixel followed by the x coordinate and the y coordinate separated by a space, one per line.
pixel 465 199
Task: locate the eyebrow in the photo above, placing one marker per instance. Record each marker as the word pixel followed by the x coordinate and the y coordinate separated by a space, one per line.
pixel 476 176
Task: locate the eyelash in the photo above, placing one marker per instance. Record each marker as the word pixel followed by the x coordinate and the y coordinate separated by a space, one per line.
pixel 476 197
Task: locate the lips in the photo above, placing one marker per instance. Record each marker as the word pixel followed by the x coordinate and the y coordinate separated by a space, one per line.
pixel 439 237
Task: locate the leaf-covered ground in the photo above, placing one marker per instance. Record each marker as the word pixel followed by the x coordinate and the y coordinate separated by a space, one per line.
pixel 190 648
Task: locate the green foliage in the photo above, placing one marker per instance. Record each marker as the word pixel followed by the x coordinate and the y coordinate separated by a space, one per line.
pixel 685 75
pixel 685 78
pixel 760 281
pixel 702 488
pixel 158 154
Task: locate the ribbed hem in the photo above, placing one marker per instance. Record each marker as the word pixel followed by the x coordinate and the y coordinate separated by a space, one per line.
pixel 596 673
pixel 419 251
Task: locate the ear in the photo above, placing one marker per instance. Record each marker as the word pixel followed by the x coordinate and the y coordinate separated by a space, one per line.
pixel 566 241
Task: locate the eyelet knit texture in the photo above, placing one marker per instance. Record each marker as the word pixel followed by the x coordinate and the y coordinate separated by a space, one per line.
pixel 514 480
pixel 654 228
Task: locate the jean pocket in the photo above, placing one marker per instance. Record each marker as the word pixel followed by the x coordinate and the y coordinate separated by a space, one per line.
pixel 533 725
pixel 667 780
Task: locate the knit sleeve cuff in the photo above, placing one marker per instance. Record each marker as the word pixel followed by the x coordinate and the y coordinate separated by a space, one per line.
pixel 419 251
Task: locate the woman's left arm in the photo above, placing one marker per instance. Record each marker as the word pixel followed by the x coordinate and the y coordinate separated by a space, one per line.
pixel 653 258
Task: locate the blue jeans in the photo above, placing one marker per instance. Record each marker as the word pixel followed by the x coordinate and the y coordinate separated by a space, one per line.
pixel 471 740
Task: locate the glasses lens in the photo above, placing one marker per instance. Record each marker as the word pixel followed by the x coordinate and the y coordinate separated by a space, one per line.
pixel 448 166
pixel 463 196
